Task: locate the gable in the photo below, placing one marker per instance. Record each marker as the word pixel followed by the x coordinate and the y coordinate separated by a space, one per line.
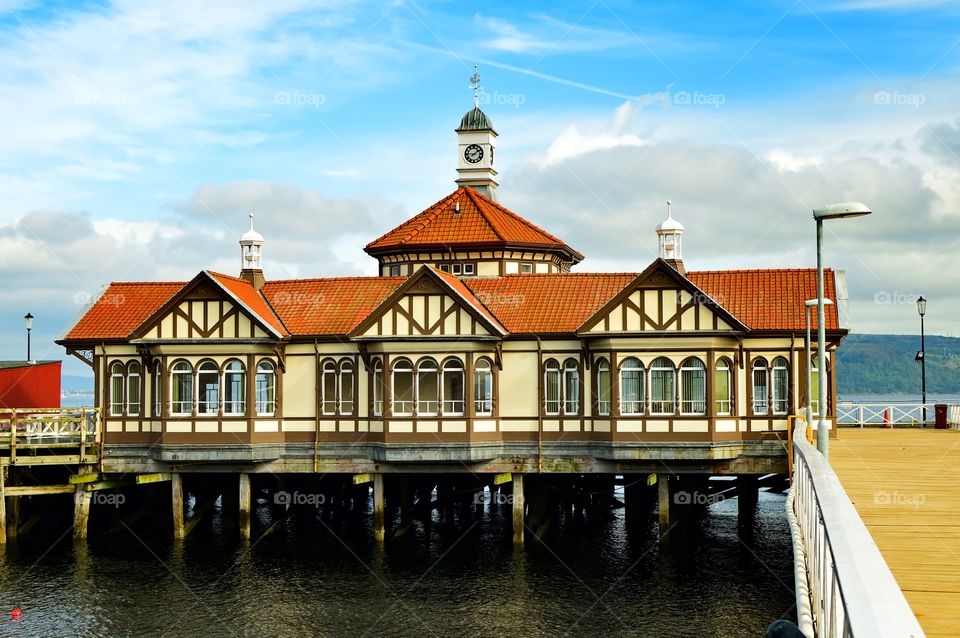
pixel 204 317
pixel 424 309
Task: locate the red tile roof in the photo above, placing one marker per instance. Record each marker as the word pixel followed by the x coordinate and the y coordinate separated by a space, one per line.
pixel 251 298
pixel 122 307
pixel 768 299
pixel 331 306
pixel 547 303
pixel 467 295
pixel 480 221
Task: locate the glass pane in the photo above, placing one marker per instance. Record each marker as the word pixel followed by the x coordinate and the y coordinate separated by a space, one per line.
pixel 631 401
pixel 693 391
pixel 116 394
pixel 552 389
pixel 266 391
pixel 328 392
pixel 346 392
pixel 662 391
pixel 133 394
pixel 403 392
pixel 182 392
pixel 453 392
pixel 571 403
pixel 208 399
pixel 428 392
pixel 603 391
pixel 483 391
pixel 780 390
pixel 234 393
pixel 377 389
pixel 722 390
pixel 760 400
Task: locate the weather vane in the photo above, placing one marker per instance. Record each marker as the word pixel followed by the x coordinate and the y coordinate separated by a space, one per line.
pixel 475 85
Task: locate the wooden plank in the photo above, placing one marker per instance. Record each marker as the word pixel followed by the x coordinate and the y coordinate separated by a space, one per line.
pixel 156 477
pixel 903 482
pixel 108 484
pixel 500 479
pixel 83 478
pixel 39 490
pixel 360 479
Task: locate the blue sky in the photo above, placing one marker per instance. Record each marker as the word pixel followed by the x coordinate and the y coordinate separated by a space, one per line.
pixel 137 135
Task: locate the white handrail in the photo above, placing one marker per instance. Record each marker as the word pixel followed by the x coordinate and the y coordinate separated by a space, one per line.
pixel 852 591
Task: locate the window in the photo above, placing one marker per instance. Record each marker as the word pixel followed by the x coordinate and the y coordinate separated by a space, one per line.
pixel 469 269
pixel 631 386
pixel 551 387
pixel 483 388
pixel 208 389
pixel 428 387
pixel 181 389
pixel 402 388
pixel 116 389
pixel 234 388
pixel 445 267
pixel 377 387
pixel 452 385
pixel 526 268
pixel 693 387
pixel 663 379
pixel 814 386
pixel 603 388
pixel 158 392
pixel 266 389
pixel 781 385
pixel 721 387
pixel 328 388
pixel 761 399
pixel 571 387
pixel 346 387
pixel 133 388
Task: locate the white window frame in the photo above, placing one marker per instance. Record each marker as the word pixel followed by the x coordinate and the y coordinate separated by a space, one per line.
pixel 469 269
pixel 427 366
pixel 780 365
pixel 157 398
pixel 689 368
pixel 188 402
pixel 760 365
pixel 200 370
pixel 637 406
pixel 403 366
pixel 571 373
pixel 603 405
pixel 483 369
pixel 133 408
pixel 658 366
pixel 118 373
pixel 456 269
pixel 267 406
pixel 552 368
pixel 526 268
pixel 328 372
pixel 345 380
pixel 229 407
pixel 378 387
pixel 723 367
pixel 456 407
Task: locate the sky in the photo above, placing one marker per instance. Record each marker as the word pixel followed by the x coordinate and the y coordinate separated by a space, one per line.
pixel 136 136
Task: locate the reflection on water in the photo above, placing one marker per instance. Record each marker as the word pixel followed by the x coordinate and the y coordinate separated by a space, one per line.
pixel 596 575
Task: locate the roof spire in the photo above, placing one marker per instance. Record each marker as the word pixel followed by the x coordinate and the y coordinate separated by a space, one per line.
pixel 251 219
pixel 475 85
pixel 669 211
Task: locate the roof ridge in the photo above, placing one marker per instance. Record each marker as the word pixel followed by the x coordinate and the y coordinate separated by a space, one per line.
pixel 230 277
pixel 149 283
pixel 756 270
pixel 481 208
pixel 348 278
pixel 500 207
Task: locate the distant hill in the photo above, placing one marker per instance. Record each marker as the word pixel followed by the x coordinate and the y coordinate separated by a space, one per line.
pixel 884 364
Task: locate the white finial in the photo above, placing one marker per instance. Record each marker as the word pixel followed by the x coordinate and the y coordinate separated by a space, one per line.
pixel 669 211
pixel 475 85
pixel 251 220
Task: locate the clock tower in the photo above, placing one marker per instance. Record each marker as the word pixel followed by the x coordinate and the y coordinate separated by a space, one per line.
pixel 476 142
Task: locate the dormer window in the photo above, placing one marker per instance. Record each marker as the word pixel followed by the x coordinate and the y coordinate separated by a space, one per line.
pixel 469 269
pixel 456 269
pixel 526 269
pixel 394 271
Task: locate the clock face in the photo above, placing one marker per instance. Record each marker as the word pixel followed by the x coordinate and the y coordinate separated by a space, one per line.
pixel 473 153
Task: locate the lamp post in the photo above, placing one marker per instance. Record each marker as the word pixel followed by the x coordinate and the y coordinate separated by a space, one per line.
pixel 809 303
pixel 922 356
pixel 831 211
pixel 28 322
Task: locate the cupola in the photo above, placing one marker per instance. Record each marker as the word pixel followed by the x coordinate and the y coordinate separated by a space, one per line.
pixel 669 235
pixel 251 254
pixel 476 142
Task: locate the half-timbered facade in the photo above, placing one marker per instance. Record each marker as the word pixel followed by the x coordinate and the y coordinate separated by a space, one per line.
pixel 476 339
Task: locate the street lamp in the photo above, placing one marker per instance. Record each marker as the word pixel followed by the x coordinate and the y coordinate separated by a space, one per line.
pixel 921 357
pixel 28 322
pixel 831 211
pixel 809 303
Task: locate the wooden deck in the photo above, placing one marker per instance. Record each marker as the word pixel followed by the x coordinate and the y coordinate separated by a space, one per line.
pixel 905 483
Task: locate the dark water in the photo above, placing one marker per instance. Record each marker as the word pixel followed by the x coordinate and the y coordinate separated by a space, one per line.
pixel 599 575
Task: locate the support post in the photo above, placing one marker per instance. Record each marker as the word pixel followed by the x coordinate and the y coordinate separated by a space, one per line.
pixel 244 514
pixel 378 529
pixel 663 502
pixel 3 508
pixel 12 508
pixel 81 511
pixel 176 491
pixel 747 495
pixel 519 505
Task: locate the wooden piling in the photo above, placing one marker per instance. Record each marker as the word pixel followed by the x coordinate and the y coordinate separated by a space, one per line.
pixel 81 511
pixel 244 512
pixel 3 508
pixel 379 533
pixel 12 504
pixel 663 502
pixel 176 491
pixel 747 495
pixel 518 509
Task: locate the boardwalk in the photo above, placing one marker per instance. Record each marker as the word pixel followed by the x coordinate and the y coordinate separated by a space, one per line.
pixel 905 483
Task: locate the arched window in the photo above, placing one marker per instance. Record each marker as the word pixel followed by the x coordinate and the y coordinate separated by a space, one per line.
pixel 722 395
pixel 631 386
pixel 761 387
pixel 781 386
pixel 571 387
pixel 158 391
pixel 208 389
pixel 234 388
pixel 814 386
pixel 377 387
pixel 452 387
pixel 328 387
pixel 346 387
pixel 428 387
pixel 402 394
pixel 266 389
pixel 551 387
pixel 603 387
pixel 133 388
pixel 116 389
pixel 181 389
pixel 693 386
pixel 663 392
pixel 483 387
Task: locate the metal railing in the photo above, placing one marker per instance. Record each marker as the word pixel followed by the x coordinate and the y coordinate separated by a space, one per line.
pixel 851 589
pixel 888 414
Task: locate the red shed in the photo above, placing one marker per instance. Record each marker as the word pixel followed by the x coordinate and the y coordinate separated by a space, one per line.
pixel 25 384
